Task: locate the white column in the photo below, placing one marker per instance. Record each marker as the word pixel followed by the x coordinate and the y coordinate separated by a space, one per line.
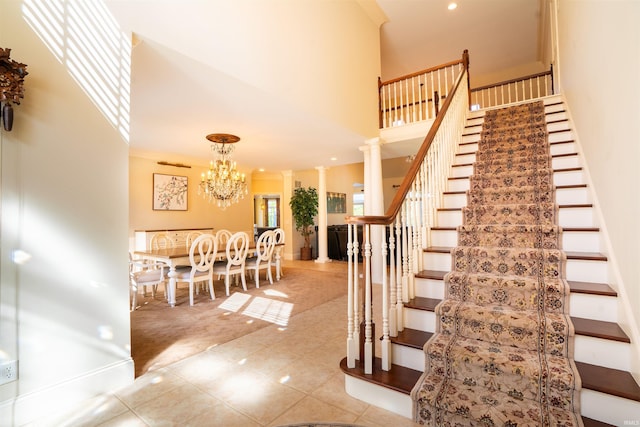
pixel 322 215
pixel 374 202
pixel 286 217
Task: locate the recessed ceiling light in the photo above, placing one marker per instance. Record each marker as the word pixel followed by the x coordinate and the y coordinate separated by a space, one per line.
pixel 334 159
pixel 261 170
pixel 452 6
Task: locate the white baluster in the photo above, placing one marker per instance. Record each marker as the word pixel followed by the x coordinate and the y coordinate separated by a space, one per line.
pixel 356 293
pixel 385 345
pixel 352 343
pixel 393 291
pixel 399 294
pixel 368 341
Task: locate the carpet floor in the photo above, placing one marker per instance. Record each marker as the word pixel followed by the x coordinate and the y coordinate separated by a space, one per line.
pixel 161 335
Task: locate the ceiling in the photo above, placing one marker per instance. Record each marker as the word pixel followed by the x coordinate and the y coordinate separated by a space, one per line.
pixel 499 34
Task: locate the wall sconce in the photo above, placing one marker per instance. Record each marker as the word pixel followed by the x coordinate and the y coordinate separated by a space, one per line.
pixel 12 74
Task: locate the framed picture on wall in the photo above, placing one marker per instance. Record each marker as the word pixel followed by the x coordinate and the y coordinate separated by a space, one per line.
pixel 169 192
pixel 336 202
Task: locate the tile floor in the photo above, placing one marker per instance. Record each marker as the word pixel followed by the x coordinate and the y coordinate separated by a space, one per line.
pixel 271 377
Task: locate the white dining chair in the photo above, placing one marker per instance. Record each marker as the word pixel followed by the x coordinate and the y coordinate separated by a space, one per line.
pixel 191 237
pixel 202 255
pixel 263 255
pixel 277 252
pixel 162 241
pixel 143 275
pixel 234 264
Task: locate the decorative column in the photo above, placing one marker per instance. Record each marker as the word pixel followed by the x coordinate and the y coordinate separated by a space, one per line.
pixel 322 215
pixel 287 219
pixel 374 201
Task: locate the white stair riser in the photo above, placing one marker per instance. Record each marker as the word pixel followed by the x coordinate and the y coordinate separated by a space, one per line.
pixel 447 238
pixel 586 271
pixel 572 196
pixel 464 158
pixel 554 127
pixel 457 201
pixel 576 217
pixel 458 184
pixel 560 136
pixel 461 171
pixel 551 108
pixel 568 178
pixel 611 354
pixel 601 352
pixel 581 241
pixel 468 148
pixel 382 397
pixel 419 319
pixel 449 218
pixel 408 357
pixel 437 261
pixel 596 307
pixel 565 148
pixel 610 409
pixel 429 288
pixel 565 162
pixel 469 138
pixel 551 116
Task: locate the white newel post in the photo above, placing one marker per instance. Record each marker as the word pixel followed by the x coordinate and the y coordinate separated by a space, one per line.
pixel 322 215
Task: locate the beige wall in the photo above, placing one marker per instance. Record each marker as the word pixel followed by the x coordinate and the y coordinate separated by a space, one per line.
pixel 65 311
pixel 200 213
pixel 601 38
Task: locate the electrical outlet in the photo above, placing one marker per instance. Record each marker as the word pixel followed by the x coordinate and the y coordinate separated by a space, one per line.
pixel 8 371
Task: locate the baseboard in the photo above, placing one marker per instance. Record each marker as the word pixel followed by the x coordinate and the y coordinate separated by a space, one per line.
pixel 66 396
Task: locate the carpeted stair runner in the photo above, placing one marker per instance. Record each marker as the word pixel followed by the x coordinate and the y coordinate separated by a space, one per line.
pixel 502 354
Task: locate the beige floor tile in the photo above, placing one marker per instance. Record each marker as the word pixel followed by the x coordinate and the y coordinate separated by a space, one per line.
pixel 128 419
pixel 221 415
pixel 304 376
pixel 176 407
pixel 381 418
pixel 258 397
pixel 148 386
pixel 333 392
pixel 311 409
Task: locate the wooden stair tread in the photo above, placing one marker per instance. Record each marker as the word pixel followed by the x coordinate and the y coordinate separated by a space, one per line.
pixel 577 205
pixel 576 229
pixel 599 329
pixel 413 338
pixel 576 286
pixel 443 228
pixel 592 288
pixel 588 422
pixel 587 256
pixel 399 378
pixel 431 274
pixel 422 303
pixel 564 187
pixel 403 380
pixel 610 381
pixel 439 249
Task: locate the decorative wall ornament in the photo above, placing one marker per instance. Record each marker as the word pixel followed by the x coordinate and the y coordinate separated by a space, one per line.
pixel 12 74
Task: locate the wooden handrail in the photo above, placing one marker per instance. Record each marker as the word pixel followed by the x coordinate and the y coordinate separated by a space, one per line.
pixel 404 188
pixel 417 73
pixel 506 82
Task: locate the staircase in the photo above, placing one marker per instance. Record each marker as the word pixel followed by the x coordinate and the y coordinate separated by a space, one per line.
pixel 609 396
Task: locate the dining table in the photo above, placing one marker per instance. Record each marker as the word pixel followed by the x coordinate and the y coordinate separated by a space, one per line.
pixel 179 256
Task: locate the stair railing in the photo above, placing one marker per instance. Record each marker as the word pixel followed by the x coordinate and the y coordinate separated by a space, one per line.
pixel 515 90
pixel 415 97
pixel 408 219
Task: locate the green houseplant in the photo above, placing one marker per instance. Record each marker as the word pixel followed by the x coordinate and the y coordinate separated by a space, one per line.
pixel 304 208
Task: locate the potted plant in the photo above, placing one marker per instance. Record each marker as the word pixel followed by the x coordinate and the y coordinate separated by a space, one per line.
pixel 304 208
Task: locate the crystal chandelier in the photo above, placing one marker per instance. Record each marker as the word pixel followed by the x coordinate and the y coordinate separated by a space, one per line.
pixel 222 184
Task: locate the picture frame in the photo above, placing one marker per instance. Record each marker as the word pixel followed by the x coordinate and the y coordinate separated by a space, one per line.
pixel 336 202
pixel 169 192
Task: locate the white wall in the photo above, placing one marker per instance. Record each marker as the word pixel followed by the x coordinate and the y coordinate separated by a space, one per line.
pixel 65 312
pixel 599 65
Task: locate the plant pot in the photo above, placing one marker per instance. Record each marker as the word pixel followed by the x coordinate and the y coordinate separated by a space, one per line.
pixel 305 254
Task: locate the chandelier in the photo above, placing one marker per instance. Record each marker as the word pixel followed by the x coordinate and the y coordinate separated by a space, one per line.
pixel 222 184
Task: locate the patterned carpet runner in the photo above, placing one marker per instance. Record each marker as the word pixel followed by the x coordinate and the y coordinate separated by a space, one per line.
pixel 503 351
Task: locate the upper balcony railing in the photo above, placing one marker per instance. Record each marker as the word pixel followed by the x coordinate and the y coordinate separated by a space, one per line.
pixel 511 91
pixel 416 97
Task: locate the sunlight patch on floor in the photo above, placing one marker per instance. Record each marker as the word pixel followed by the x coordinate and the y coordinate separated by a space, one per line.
pixel 273 311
